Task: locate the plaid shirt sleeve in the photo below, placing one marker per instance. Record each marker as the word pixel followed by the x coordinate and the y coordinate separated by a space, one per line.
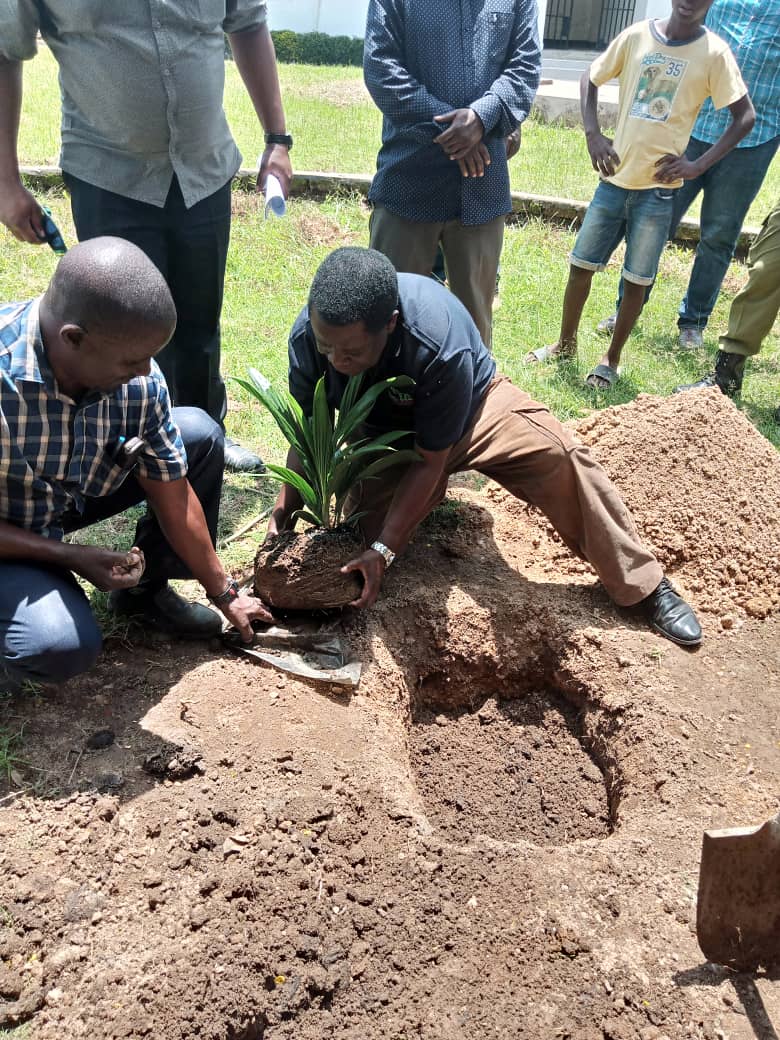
pixel 164 458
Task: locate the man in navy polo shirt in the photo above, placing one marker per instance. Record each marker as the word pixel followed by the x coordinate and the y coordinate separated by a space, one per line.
pixel 362 317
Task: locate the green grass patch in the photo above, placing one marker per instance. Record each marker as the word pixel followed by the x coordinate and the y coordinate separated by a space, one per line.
pixel 337 128
pixel 271 264
pixel 10 746
pixel 17 1033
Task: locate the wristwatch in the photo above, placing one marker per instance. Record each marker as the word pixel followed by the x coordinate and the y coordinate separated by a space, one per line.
pixel 285 139
pixel 230 592
pixel 381 548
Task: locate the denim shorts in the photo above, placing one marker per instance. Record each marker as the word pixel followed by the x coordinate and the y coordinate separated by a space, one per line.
pixel 643 218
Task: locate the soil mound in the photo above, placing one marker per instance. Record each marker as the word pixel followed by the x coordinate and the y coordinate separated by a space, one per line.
pixel 704 488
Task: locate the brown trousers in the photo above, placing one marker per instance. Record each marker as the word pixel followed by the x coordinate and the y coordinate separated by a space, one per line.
pixel 515 441
pixel 471 254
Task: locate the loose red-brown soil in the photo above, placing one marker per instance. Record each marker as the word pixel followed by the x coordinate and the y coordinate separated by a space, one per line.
pixel 496 837
pixel 514 770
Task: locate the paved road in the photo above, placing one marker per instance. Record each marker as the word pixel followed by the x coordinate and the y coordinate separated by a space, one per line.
pixel 560 65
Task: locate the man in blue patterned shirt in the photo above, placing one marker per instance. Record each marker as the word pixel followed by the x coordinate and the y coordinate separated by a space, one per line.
pixel 453 79
pixel 751 28
pixel 86 431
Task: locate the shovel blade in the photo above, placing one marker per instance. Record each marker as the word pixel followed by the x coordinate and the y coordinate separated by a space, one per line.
pixel 738 912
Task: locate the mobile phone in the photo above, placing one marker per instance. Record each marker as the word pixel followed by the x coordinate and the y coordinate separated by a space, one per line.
pixel 52 233
pixel 127 451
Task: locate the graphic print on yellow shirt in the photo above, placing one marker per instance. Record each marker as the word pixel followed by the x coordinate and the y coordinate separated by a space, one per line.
pixel 663 84
pixel 659 82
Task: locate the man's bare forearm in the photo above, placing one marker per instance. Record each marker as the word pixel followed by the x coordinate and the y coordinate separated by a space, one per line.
pixel 589 96
pixel 181 519
pixel 10 113
pixel 413 499
pixel 18 544
pixel 743 121
pixel 256 63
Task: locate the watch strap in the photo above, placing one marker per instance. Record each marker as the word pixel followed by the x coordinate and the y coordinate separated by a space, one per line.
pixel 381 548
pixel 230 592
pixel 285 139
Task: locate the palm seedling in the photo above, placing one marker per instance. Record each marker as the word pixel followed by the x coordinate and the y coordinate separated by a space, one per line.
pixel 334 456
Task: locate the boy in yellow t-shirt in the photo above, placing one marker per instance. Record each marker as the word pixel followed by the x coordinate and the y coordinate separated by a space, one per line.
pixel 666 70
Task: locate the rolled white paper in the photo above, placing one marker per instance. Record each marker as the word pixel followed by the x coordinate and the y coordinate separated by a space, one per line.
pixel 275 204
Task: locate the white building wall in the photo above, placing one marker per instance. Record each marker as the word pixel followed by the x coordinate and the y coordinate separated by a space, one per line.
pixel 542 15
pixel 335 17
pixel 652 9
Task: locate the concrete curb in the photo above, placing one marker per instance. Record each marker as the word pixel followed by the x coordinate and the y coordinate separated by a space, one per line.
pixel 315 184
pixel 558 101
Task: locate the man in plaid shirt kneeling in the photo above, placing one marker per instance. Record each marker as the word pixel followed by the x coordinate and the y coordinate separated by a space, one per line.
pixel 86 431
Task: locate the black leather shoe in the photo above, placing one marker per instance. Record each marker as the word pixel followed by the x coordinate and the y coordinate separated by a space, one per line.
pixel 670 615
pixel 728 375
pixel 241 460
pixel 167 611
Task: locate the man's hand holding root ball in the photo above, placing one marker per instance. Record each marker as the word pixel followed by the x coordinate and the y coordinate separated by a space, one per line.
pixel 372 565
pixel 420 489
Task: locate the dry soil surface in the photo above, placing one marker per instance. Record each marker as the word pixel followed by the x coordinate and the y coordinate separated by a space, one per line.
pixel 496 836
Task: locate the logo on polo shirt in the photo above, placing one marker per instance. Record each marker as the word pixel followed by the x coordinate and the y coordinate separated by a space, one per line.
pixel 399 398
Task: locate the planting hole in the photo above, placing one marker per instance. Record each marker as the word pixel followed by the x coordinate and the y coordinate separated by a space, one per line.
pixel 514 770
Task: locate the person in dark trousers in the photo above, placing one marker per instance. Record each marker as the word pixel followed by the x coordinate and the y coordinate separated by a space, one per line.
pixel 752 315
pixel 146 151
pixel 667 69
pixel 87 431
pixel 364 318
pixel 751 28
pixel 453 80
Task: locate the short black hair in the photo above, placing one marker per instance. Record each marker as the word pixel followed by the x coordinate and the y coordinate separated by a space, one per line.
pixel 355 284
pixel 109 286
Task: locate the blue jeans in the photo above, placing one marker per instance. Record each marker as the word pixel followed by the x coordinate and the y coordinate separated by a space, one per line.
pixel 641 217
pixel 48 632
pixel 729 188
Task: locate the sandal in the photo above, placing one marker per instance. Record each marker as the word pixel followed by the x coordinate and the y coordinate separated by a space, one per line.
pixel 552 352
pixel 602 377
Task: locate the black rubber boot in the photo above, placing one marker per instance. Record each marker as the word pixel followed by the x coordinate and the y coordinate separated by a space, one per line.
pixel 728 375
pixel 166 611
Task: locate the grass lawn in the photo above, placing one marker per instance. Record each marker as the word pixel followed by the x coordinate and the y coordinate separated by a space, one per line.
pixel 271 264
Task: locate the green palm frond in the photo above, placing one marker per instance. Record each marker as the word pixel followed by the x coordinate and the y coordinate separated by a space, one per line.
pixel 333 455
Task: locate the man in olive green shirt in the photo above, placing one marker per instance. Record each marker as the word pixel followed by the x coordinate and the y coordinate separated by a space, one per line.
pixel 147 154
